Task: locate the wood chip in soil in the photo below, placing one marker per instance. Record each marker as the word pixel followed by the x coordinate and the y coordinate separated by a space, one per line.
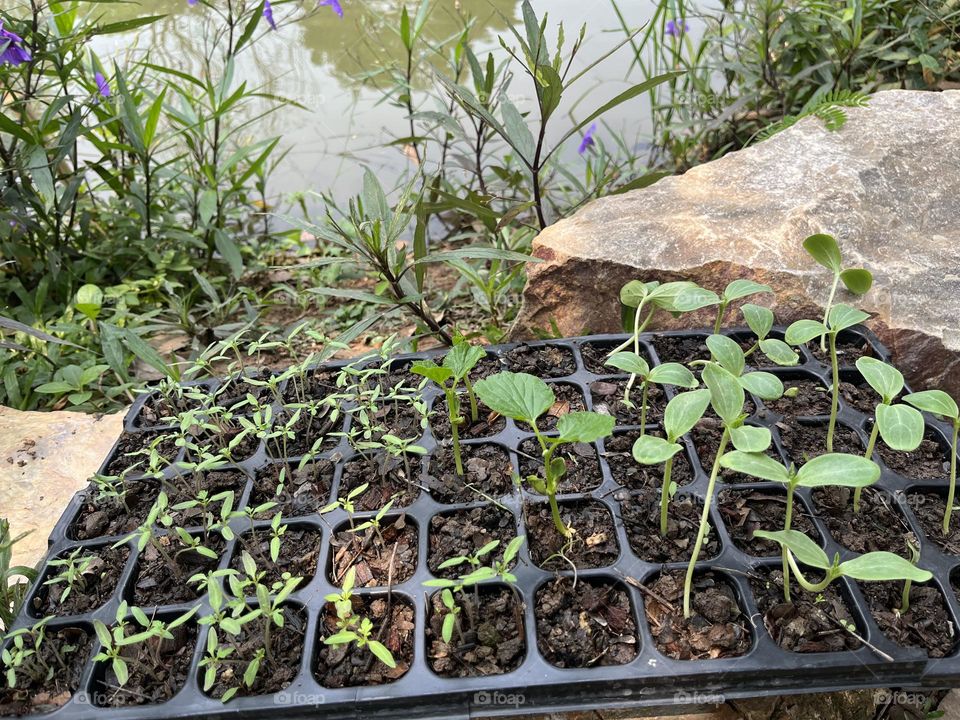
pixel 299 554
pixel 849 350
pixel 746 511
pixel 587 624
pixel 928 462
pixel 28 698
pixel 462 532
pixel 488 474
pixel 389 558
pixel 157 583
pixel 593 545
pixel 628 473
pixel 583 466
pixel 102 517
pixel 803 442
pixel 388 478
pixel 305 489
pixel 681 349
pixel 812 398
pixel 129 454
pixel 640 514
pixel 929 509
pixel 608 400
pixel 717 627
pixel 488 423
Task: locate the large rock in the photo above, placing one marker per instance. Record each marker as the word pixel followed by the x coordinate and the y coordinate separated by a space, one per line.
pixel 887 186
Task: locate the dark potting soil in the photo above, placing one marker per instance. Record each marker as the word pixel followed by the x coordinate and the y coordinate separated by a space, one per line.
pixel 307 431
pixel 160 411
pixel 706 439
pixel 388 477
pixel 745 511
pixel 286 648
pixel 488 640
pixel 94 587
pixel 640 514
pixel 157 583
pixel 66 650
pixel 101 517
pixel 463 532
pixel 587 623
pixel 809 622
pixel 185 488
pixel 568 399
pixel 925 625
pixel 860 396
pixel 487 474
pixel 546 362
pixel 803 442
pixel 812 398
pixel 595 356
pixel 929 509
pixel 488 422
pixel 583 465
pixel 627 472
pixel 385 559
pixel 878 525
pixel 608 400
pixel 680 349
pixel 129 454
pixel 305 490
pixel 338 666
pixel 317 385
pixel 594 543
pixel 849 350
pixel 757 359
pixel 299 554
pixel 717 627
pixel 168 675
pixel 927 462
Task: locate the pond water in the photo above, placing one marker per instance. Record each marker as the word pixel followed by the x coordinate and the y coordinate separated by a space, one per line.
pixel 347 125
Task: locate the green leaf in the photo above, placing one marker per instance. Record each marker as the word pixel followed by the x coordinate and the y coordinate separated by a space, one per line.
pixel 126 25
pixel 145 352
pixel 89 300
pixel 743 288
pixel 755 464
pixel 629 362
pixel 779 352
pixel 803 331
pixel 901 426
pixel 843 316
pixel 584 426
pixel 449 621
pixel 726 393
pixel 824 249
pixel 374 200
pixel 684 411
pixel 121 671
pixel 635 292
pixel 838 469
pixel 518 132
pixel 886 380
pixel 229 250
pixel 803 548
pixel 462 358
pixel 430 370
pixel 695 298
pixel 673 374
pixel 759 319
pixel 764 385
pixel 519 396
pixel 749 439
pixel 652 450
pixel 727 352
pixel 880 566
pixel 857 280
pixel 477 252
pixel 666 295
pixel 936 402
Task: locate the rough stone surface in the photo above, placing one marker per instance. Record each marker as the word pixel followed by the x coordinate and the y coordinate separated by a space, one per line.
pixel 887 186
pixel 46 457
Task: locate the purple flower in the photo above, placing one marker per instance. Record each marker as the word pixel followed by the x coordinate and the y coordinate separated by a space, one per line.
pixel 677 29
pixel 11 48
pixel 587 141
pixel 191 3
pixel 334 4
pixel 103 87
pixel 268 14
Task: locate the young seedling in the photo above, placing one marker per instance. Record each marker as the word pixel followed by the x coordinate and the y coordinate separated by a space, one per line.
pixel 682 413
pixel 525 398
pixel 353 628
pixel 937 402
pixel 73 571
pixel 833 470
pixel 871 567
pixel 23 658
pixel 801 332
pixel 457 364
pixel 665 374
pixel 14 579
pixel 825 250
pixel 697 298
pixel 637 296
pixel 760 320
pixel 900 426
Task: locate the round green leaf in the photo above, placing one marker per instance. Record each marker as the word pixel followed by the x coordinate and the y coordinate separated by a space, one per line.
pixel 743 288
pixel 838 469
pixel 519 396
pixel 880 566
pixel 886 380
pixel 89 301
pixel 755 464
pixel 759 319
pixel 936 402
pixel 432 371
pixel 651 450
pixel 672 374
pixel 825 250
pixel 843 316
pixel 629 362
pixel 764 385
pixel 750 439
pixel 684 411
pixel 803 331
pixel 802 547
pixel 584 426
pixel 779 352
pixel 901 426
pixel 857 280
pixel 726 394
pixel 727 352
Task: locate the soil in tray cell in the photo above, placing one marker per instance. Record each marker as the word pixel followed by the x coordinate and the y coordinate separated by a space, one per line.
pixel 102 516
pixel 858 395
pixel 808 622
pixel 461 533
pixel 878 525
pixel 299 554
pixel 132 454
pixel 487 423
pixel 381 556
pixel 583 467
pixel 716 628
pixel 681 349
pixel 302 490
pixel 595 356
pixel 66 650
pixel 487 639
pixel 608 399
pixel 338 666
pixel 307 430
pixel 589 623
pixel 812 398
pixel 387 477
pixel 545 361
pixel 594 541
pixel 745 511
pixel 487 474
pixel 640 514
pixel 568 399
pixel 99 573
pixel 317 385
pixel 706 439
pixel 928 462
pixel 802 441
pixel 850 348
pixel 158 580
pixel 628 473
pixel 926 624
pixel 929 508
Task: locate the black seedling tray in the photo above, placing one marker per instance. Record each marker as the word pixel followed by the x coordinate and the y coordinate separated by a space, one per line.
pixel 650 679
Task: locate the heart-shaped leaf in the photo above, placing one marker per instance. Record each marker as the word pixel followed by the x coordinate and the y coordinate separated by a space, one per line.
pixel 802 547
pixel 803 331
pixel 764 385
pixel 857 280
pixel 885 379
pixel 936 402
pixel 880 566
pixel 673 374
pixel 759 319
pixel 779 352
pixel 629 362
pixel 519 396
pixel 844 316
pixel 743 288
pixel 727 352
pixel 726 393
pixel 749 439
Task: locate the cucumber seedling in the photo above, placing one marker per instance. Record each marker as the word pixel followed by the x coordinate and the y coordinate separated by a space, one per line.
pixel 836 470
pixel 665 374
pixel 825 250
pixel 801 332
pixel 524 398
pixel 760 320
pixel 696 298
pixel 937 402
